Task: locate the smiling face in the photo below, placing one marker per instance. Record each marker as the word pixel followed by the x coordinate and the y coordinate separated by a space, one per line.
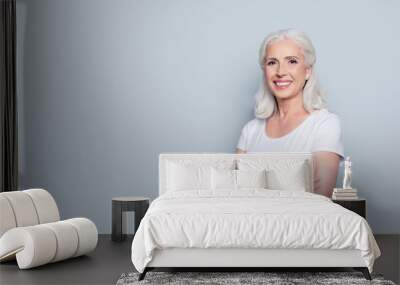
pixel 285 70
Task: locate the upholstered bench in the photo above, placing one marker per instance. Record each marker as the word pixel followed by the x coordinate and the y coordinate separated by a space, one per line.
pixel 31 230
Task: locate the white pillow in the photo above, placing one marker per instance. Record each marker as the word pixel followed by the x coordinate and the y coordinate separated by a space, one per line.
pixel 282 174
pixel 295 179
pixel 251 178
pixel 236 179
pixel 223 179
pixel 193 173
pixel 184 177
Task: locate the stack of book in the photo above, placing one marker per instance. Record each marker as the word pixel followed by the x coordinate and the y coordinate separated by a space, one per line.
pixel 344 194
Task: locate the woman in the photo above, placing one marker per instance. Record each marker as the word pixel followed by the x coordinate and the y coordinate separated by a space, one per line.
pixel 290 114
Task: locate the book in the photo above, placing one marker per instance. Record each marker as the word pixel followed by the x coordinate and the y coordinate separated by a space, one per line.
pixel 341 190
pixel 345 194
pixel 341 197
pixel 345 199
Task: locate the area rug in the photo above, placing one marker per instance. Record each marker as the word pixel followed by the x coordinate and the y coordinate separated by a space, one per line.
pixel 269 278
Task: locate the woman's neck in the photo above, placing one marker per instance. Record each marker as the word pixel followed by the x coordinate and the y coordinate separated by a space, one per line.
pixel 290 107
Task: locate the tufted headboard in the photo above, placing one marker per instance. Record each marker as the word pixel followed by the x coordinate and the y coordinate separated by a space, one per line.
pixel 248 160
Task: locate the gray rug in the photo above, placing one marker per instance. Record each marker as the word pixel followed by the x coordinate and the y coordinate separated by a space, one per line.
pixel 270 278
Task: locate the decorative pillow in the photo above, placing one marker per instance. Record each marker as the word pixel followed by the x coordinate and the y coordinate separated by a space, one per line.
pixel 188 173
pixel 251 178
pixel 295 179
pixel 282 174
pixel 236 179
pixel 184 177
pixel 223 179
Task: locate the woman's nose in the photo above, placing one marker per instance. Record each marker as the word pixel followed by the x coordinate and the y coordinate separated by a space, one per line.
pixel 281 70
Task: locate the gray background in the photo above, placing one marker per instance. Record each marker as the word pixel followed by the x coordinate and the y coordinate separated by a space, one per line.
pixel 105 86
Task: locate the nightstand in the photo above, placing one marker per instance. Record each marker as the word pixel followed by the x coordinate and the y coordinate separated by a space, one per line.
pixel 358 206
pixel 125 204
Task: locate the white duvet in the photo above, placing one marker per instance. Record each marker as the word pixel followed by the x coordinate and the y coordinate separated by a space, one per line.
pixel 250 218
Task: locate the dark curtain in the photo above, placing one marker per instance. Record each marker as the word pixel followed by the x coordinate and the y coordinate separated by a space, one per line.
pixel 8 103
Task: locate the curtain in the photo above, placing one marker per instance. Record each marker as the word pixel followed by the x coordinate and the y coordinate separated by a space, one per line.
pixel 8 97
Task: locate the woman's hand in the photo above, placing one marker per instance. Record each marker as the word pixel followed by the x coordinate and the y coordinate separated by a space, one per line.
pixel 239 151
pixel 326 165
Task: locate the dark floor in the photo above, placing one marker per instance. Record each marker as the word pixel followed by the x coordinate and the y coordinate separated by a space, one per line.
pixel 111 259
pixel 103 266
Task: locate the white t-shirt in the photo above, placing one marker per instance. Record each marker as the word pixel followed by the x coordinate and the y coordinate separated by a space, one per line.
pixel 320 131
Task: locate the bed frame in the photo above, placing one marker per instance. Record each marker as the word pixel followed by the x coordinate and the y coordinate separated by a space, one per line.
pixel 262 259
pixel 247 259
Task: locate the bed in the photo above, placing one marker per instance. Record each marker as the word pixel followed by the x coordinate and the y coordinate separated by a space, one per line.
pixel 245 211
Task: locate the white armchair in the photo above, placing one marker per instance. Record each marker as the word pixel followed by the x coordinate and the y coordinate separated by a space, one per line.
pixel 31 230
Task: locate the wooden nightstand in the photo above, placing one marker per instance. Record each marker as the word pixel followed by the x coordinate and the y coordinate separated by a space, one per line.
pixel 358 206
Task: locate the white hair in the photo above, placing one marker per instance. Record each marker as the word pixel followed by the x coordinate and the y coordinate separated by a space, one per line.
pixel 313 97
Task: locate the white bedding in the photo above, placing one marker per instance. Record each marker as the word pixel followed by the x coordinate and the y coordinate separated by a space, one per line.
pixel 250 218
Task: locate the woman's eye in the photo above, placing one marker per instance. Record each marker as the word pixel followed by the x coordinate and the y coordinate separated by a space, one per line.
pixel 292 61
pixel 270 62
